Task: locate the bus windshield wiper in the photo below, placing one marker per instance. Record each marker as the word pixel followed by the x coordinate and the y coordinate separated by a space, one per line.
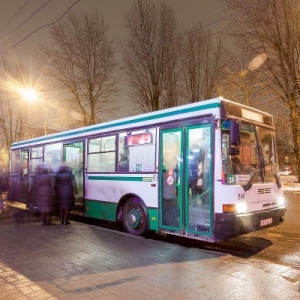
pixel 249 184
pixel 276 179
pixel 261 163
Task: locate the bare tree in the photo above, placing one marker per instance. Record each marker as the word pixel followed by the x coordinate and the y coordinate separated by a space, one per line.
pixel 202 63
pixel 273 28
pixel 13 117
pixel 80 63
pixel 285 142
pixel 241 82
pixel 150 55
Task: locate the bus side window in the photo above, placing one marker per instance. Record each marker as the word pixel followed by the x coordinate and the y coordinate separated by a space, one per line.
pixel 123 154
pixel 136 151
pixel 124 163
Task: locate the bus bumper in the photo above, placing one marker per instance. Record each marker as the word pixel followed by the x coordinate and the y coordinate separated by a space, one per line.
pixel 229 225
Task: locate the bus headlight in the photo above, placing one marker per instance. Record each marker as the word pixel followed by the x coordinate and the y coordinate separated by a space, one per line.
pixel 281 201
pixel 241 208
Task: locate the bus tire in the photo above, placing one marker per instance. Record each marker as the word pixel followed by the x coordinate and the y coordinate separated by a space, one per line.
pixel 135 217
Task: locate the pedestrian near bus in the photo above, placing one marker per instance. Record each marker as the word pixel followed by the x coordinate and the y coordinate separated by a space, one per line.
pixel 43 192
pixel 3 182
pixel 3 190
pixel 66 188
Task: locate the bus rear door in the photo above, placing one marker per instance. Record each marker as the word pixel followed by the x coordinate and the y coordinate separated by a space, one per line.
pixel 19 176
pixel 73 154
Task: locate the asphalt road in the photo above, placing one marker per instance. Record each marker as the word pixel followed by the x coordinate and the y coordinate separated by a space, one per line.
pixel 284 239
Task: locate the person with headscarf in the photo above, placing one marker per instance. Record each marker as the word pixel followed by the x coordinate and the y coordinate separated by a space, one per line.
pixel 66 188
pixel 43 190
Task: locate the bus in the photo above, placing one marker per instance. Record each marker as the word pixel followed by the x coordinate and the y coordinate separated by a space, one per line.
pixel 207 170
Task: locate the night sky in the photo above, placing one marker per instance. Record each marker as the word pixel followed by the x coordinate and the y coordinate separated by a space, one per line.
pixel 16 23
pixel 21 18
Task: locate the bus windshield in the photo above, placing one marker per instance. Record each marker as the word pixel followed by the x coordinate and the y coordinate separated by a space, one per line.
pixel 256 159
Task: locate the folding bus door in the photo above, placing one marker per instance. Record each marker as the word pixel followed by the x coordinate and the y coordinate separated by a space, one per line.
pixel 73 154
pixel 18 177
pixel 186 179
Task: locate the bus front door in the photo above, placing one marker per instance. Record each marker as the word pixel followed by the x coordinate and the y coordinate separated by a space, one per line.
pixel 186 181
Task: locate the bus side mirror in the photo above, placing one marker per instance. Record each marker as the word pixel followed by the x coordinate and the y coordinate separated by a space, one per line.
pixel 234 137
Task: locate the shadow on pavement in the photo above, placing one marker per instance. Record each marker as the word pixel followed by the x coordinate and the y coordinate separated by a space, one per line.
pixel 242 246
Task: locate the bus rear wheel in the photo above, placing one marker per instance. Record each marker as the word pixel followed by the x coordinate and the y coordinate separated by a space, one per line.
pixel 135 217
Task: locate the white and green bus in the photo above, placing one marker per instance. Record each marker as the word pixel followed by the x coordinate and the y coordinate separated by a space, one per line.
pixel 207 170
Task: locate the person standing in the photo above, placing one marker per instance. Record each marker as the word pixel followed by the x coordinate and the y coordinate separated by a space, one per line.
pixel 3 182
pixel 66 188
pixel 3 190
pixel 43 191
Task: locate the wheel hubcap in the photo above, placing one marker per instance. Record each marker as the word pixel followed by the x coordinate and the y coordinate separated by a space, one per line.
pixel 133 218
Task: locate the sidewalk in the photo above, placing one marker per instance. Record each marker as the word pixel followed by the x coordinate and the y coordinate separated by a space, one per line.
pixel 82 261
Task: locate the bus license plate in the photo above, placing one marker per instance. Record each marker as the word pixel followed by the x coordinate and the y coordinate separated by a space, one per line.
pixel 266 222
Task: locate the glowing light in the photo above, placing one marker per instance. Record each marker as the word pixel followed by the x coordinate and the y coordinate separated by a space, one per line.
pixel 281 201
pixel 241 208
pixel 28 94
pixel 257 61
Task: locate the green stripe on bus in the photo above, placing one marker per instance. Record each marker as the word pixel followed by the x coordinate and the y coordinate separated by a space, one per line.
pixel 101 210
pixel 120 178
pixel 108 211
pixel 86 130
pixel 153 218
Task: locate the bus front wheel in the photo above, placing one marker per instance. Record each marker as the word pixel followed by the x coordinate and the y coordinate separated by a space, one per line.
pixel 135 217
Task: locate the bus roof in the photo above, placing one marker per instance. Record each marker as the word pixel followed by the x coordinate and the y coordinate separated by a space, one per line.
pixel 206 107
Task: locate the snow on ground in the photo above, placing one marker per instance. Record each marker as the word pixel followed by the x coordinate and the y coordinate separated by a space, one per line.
pixel 290 184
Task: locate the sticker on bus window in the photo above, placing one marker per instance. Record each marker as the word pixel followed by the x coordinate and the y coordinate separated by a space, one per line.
pixel 230 179
pixel 170 180
pixel 242 179
pixel 138 168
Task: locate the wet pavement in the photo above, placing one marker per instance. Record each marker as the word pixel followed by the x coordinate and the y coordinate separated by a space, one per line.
pixel 84 261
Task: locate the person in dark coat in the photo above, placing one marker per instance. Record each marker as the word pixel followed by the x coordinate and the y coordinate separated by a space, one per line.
pixel 66 188
pixel 3 189
pixel 43 190
pixel 3 182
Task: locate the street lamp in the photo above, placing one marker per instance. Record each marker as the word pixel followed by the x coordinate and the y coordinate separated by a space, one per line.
pixel 28 94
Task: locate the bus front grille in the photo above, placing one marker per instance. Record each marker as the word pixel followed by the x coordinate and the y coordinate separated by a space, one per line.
pixel 264 191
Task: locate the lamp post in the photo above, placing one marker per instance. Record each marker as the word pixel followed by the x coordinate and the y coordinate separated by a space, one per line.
pixel 46 122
